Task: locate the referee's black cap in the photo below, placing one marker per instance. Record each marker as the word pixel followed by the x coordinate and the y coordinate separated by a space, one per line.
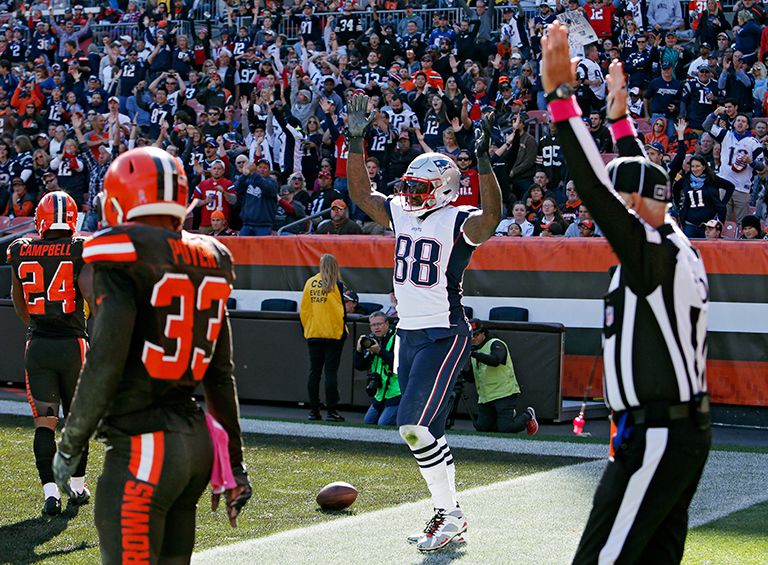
pixel 638 174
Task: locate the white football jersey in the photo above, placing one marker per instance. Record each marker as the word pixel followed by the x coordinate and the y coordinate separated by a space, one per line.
pixel 732 150
pixel 430 258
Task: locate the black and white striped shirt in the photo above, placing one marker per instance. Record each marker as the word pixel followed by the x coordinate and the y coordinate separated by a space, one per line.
pixel 655 317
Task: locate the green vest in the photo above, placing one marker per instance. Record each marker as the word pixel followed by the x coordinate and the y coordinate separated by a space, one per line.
pixel 390 386
pixel 494 382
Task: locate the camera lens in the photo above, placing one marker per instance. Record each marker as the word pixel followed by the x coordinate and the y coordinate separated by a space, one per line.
pixel 366 342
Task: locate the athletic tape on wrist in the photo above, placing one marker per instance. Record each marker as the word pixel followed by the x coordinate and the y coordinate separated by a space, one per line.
pixel 565 109
pixel 622 128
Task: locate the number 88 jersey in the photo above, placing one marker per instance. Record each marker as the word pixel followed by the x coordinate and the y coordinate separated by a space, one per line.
pixel 431 254
pixel 47 270
pixel 174 287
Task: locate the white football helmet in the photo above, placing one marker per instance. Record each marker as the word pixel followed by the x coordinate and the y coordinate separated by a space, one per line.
pixel 430 182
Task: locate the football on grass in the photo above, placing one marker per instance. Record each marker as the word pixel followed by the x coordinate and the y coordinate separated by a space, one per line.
pixel 336 496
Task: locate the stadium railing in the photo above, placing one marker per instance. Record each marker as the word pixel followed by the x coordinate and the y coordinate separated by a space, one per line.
pixel 282 230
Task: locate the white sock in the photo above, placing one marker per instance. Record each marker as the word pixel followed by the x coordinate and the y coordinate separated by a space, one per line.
pixel 77 484
pixel 450 467
pixel 51 490
pixel 433 469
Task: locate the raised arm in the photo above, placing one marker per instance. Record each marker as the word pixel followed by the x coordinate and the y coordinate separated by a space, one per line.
pixel 373 203
pixel 480 227
pixel 622 227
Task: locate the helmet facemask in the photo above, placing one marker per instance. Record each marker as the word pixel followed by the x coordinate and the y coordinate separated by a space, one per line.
pixel 418 195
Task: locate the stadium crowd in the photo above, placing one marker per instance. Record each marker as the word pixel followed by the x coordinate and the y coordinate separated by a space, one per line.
pixel 251 97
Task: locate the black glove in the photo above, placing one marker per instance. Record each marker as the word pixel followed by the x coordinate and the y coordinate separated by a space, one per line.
pixel 236 497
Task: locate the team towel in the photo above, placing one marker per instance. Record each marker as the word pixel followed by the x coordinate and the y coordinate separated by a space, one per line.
pixel 221 474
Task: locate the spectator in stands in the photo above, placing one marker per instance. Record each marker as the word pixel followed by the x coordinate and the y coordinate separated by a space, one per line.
pixel 699 98
pixel 750 227
pixel 521 173
pixel 574 230
pixel 599 132
pixel 214 192
pixel 70 170
pixel 96 169
pixel 219 225
pixel 658 134
pixel 322 315
pixel 570 210
pixel 339 223
pixel 697 196
pixel 257 193
pixel 549 214
pixel 748 34
pixel 713 229
pixel 289 209
pixel 22 203
pixel 664 16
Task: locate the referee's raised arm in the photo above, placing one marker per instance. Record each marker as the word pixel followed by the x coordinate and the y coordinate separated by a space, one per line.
pixel 615 201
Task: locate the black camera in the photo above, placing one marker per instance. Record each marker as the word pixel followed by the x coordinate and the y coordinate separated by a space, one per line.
pixel 372 384
pixel 368 341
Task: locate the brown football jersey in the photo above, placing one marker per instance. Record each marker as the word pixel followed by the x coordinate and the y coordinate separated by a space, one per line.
pixel 177 284
pixel 48 270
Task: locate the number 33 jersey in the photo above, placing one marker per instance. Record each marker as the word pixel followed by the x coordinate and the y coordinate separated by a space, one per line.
pixel 171 288
pixel 48 270
pixel 431 254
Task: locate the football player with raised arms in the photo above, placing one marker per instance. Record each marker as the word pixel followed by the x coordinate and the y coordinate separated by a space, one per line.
pixel 161 328
pixel 47 298
pixel 433 245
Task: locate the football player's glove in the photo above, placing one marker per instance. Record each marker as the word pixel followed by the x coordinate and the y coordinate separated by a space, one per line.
pixel 236 497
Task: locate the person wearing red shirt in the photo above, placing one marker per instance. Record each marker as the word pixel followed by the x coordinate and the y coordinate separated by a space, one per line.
pixel 469 185
pixel 215 193
pixel 600 14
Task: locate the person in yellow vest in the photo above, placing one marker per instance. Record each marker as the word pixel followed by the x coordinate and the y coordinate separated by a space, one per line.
pixel 497 389
pixel 323 316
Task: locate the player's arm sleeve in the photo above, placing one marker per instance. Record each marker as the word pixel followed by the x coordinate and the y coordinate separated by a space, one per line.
pixel 621 227
pixel 110 341
pixel 221 393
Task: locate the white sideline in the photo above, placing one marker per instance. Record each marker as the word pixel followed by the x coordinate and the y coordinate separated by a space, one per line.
pixel 536 519
pixel 378 435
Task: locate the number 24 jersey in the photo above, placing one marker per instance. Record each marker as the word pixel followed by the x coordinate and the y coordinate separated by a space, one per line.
pixel 48 270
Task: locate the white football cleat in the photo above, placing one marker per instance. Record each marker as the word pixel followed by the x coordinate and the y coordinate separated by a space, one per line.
pixel 443 528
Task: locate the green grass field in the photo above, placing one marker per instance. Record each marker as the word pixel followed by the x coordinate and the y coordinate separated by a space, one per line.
pixel 286 473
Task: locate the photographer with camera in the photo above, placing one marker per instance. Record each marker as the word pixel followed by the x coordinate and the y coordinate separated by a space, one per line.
pixel 497 389
pixel 375 353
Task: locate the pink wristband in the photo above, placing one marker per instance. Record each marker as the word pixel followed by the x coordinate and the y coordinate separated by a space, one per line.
pixel 565 109
pixel 622 128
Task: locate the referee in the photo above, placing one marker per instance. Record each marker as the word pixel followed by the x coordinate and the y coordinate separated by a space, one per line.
pixel 654 333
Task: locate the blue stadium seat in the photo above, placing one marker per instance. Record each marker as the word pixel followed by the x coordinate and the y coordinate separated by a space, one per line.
pixel 231 303
pixel 370 307
pixel 468 312
pixel 508 314
pixel 278 305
